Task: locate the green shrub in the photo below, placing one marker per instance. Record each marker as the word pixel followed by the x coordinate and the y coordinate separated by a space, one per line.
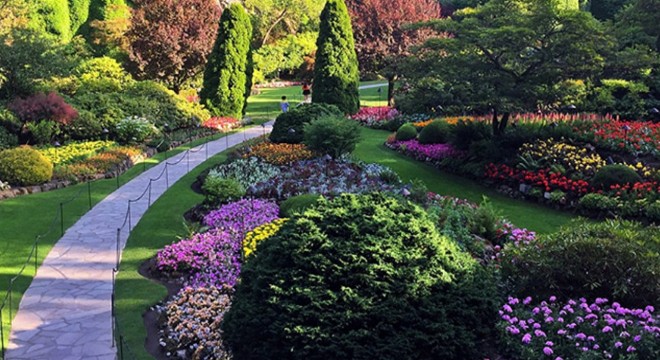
pixel 52 17
pixel 134 130
pixel 614 174
pixel 7 139
pixel 24 166
pixel 220 190
pixel 597 202
pixel 652 211
pixel 336 73
pixel 296 120
pixel 228 74
pixel 297 204
pixel 360 277
pixel 43 132
pixel 617 260
pixel 464 133
pixel 406 132
pixel 436 132
pixel 335 136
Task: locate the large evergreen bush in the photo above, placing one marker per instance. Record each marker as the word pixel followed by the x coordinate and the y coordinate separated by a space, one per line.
pixel 51 17
pixel 24 166
pixel 228 71
pixel 296 120
pixel 336 74
pixel 335 136
pixel 360 277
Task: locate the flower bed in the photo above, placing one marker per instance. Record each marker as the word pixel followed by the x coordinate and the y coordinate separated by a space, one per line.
pixel 424 152
pixel 279 154
pixel 375 116
pixel 221 123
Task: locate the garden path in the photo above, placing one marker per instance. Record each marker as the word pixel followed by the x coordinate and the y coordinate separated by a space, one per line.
pixel 66 312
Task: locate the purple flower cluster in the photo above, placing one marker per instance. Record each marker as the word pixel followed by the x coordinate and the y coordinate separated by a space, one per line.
pixel 518 236
pixel 322 177
pixel 577 329
pixel 243 216
pixel 425 152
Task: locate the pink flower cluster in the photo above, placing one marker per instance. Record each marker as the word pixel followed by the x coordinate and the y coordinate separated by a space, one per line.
pixel 424 152
pixel 374 116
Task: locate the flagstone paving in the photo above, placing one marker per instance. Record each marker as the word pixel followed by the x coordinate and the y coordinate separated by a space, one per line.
pixel 65 314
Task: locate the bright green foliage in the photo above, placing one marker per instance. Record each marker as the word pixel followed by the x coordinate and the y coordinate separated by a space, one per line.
pixel 567 4
pixel 336 74
pixel 614 174
pixel 79 12
pixel 616 260
pixel 360 277
pixel 226 76
pixel 406 132
pixel 296 119
pixel 52 17
pixel 220 190
pixel 436 132
pixel 335 136
pixel 24 166
pixel 297 204
pixel 287 54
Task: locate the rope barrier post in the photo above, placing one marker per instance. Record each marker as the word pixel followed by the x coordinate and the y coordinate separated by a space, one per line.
pixel 206 146
pixel 121 347
pixel 89 193
pixel 62 218
pixel 117 253
pixel 188 160
pixel 36 254
pixel 149 198
pixel 117 178
pixel 167 177
pixel 2 334
pixel 130 220
pixel 227 140
pixel 112 310
pixel 11 288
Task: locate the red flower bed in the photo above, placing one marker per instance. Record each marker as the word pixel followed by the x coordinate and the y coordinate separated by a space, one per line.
pixel 636 136
pixel 221 123
pixel 543 178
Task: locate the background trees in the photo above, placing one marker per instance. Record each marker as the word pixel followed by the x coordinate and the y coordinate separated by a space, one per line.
pixel 336 74
pixel 227 77
pixel 381 36
pixel 170 39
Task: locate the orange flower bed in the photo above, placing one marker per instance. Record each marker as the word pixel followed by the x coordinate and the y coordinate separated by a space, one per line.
pixel 423 124
pixel 280 154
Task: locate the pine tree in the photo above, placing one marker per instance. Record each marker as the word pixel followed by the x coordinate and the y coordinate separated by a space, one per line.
pixel 226 75
pixel 336 74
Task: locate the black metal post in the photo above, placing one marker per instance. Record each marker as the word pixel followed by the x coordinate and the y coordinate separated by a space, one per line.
pixel 62 218
pixel 130 221
pixel 167 177
pixel 89 193
pixel 149 198
pixel 117 252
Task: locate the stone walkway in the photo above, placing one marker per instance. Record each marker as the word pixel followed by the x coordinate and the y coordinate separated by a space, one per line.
pixel 66 312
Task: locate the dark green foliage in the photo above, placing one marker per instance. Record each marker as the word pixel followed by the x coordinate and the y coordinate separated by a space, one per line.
pixel 336 74
pixel 406 132
pixel 436 132
pixel 226 78
pixel 606 9
pixel 24 166
pixel 360 277
pixel 297 204
pixel 597 203
pixel 7 139
pixel 617 260
pixel 220 190
pixel 51 17
pixel 335 136
pixel 296 119
pixel 464 133
pixel 614 174
pixel 79 12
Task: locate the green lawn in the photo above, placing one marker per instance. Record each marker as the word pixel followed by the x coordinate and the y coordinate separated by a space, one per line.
pixel 524 214
pixel 24 218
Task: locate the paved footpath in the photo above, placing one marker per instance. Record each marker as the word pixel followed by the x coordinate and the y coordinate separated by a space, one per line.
pixel 66 312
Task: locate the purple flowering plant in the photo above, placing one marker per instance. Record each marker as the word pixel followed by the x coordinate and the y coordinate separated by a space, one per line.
pixel 243 216
pixel 577 330
pixel 424 152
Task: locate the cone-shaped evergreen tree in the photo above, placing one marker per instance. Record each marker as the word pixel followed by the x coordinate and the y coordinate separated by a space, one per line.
pixel 336 74
pixel 226 74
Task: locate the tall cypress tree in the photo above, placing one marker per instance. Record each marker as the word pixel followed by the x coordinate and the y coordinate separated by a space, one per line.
pixel 336 74
pixel 226 74
pixel 51 16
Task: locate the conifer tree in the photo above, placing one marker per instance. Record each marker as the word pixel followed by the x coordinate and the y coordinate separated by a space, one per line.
pixel 336 74
pixel 226 75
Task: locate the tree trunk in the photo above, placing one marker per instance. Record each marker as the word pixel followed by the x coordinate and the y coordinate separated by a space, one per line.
pixel 504 122
pixel 390 90
pixel 496 123
pixel 270 29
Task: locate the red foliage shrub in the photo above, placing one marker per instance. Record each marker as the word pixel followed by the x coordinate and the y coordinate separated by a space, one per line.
pixel 43 107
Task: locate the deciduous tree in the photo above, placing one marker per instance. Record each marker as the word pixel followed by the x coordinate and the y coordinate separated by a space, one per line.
pixel 171 39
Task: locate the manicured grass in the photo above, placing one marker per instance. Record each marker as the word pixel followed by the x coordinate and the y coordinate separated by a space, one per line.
pixel 524 214
pixel 24 218
pixel 266 105
pixel 161 225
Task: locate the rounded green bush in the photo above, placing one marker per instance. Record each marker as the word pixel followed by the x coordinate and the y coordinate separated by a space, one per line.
pixel 335 136
pixel 297 204
pixel 436 132
pixel 24 166
pixel 221 190
pixel 597 202
pixel 360 277
pixel 617 260
pixel 296 119
pixel 7 139
pixel 406 132
pixel 614 174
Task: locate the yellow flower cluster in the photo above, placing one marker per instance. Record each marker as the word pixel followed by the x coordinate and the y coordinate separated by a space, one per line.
pixel 260 234
pixel 644 171
pixel 280 154
pixel 422 124
pixel 571 157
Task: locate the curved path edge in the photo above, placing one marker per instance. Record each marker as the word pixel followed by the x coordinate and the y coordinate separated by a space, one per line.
pixel 65 314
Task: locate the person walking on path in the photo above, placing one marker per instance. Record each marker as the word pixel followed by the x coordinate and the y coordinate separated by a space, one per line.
pixel 307 93
pixel 284 104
